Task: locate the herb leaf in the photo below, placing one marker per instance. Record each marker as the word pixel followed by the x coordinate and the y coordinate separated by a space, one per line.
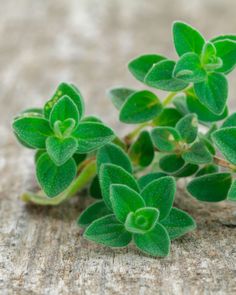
pixel 108 231
pixel 54 179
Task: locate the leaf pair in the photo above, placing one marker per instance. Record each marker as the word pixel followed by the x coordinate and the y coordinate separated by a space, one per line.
pixel 181 143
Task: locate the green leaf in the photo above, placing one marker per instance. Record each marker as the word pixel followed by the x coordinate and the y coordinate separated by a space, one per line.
pixel 161 77
pixel 232 192
pixel 141 65
pixel 64 109
pixel 119 95
pixel 93 212
pixel 38 154
pixel 160 194
pixel 65 128
pixel 91 136
pixel 179 101
pixel 124 200
pixel 141 106
pixel 187 39
pixel 155 242
pixel 32 131
pixel 142 221
pixel 188 128
pixel 111 153
pixel 209 60
pixel 112 174
pixel 213 92
pixel 195 106
pixel 147 178
pixel 68 90
pixel 197 154
pixel 171 163
pixel 165 138
pixel 223 37
pixel 225 140
pixel 178 223
pixel 186 171
pixel 210 188
pixel 61 150
pixel 230 121
pixel 108 231
pixel 95 189
pixel 226 50
pixel 54 179
pixel 168 117
pixel 79 158
pixel 141 151
pixel 208 169
pixel 189 68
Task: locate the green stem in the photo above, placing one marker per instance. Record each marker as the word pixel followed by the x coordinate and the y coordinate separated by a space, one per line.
pixel 85 176
pixel 169 98
pixel 128 138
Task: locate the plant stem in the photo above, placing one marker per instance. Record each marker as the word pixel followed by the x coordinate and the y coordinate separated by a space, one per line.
pixel 168 98
pixel 128 138
pixel 85 176
pixel 223 163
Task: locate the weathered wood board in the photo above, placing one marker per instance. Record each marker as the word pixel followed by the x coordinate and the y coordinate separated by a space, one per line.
pixel 89 42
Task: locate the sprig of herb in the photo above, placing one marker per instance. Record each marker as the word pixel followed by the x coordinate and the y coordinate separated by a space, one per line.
pixel 134 178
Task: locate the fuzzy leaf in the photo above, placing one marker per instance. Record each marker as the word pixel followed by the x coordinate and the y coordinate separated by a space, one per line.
pixel 141 65
pixel 213 92
pixel 189 68
pixel 68 90
pixel 54 179
pixel 203 113
pixel 119 95
pixel 92 136
pixel 32 131
pixel 108 231
pixel 178 223
pixel 95 189
pixel 61 150
pixel 187 170
pixel 112 174
pixel 209 59
pixel 141 106
pixel 171 163
pixel 161 77
pixel 165 138
pixel 160 194
pixel 147 178
pixel 64 109
pixel 111 153
pixel 187 39
pixel 179 101
pixel 226 50
pixel 168 117
pixel 230 121
pixel 155 242
pixel 224 37
pixel 225 140
pixel 141 151
pixel 210 188
pixel 142 221
pixel 197 154
pixel 93 212
pixel 124 200
pixel 232 192
pixel 188 128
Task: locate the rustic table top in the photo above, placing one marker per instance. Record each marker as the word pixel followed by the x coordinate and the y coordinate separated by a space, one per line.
pixel 89 43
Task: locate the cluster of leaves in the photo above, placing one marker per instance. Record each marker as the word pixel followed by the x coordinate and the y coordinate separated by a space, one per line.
pixel 134 178
pixel 133 209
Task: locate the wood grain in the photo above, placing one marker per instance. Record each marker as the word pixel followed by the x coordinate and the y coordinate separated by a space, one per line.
pixel 89 42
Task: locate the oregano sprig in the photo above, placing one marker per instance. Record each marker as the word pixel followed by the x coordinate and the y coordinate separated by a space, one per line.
pixel 188 133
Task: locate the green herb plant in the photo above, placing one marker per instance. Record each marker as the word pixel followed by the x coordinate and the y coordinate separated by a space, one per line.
pixel 187 134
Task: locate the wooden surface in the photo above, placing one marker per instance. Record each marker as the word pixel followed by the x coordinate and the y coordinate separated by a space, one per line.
pixel 89 43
